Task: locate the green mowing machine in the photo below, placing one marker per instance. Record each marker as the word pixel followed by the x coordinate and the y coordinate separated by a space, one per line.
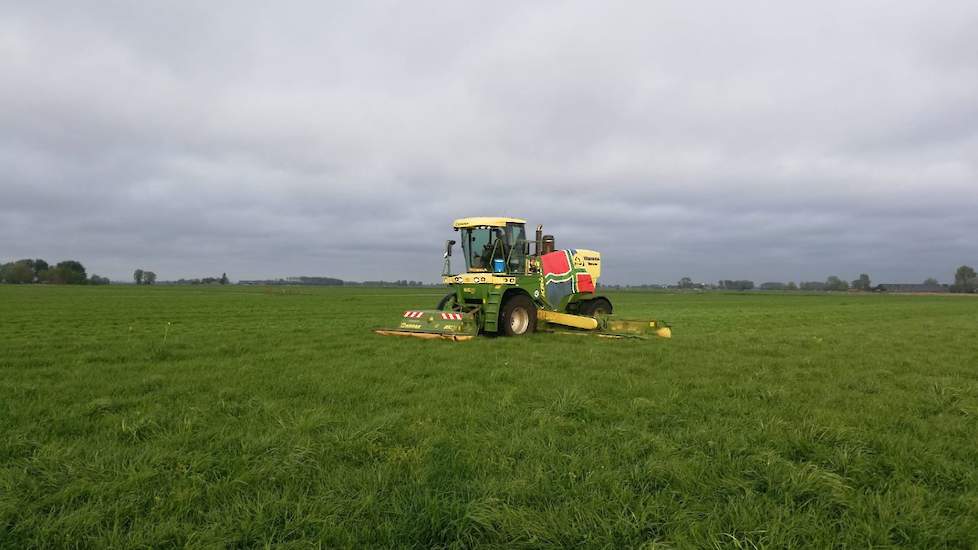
pixel 508 291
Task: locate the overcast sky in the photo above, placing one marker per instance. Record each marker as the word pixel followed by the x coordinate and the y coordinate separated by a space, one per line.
pixel 759 140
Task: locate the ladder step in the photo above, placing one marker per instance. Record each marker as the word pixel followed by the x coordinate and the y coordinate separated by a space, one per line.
pixel 491 311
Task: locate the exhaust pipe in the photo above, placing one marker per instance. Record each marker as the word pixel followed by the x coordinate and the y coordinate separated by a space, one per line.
pixel 549 245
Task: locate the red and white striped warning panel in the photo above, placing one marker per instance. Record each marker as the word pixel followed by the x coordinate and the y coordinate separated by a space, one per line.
pixel 414 314
pixel 451 316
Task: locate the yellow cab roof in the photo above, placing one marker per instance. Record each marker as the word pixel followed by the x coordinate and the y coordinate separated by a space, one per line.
pixel 484 221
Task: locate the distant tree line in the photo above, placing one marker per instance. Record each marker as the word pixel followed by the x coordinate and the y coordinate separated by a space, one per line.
pixel 400 282
pixel 222 280
pixel 736 285
pixel 965 280
pixel 202 281
pixel 143 277
pixel 308 281
pixel 643 286
pixel 330 281
pixel 38 271
pixel 34 271
pixel 790 285
pixel 323 281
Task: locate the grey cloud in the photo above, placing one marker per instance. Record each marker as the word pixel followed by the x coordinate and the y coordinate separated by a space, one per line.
pixel 749 140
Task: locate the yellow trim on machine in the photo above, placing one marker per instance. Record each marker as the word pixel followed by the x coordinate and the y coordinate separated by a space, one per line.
pixel 426 335
pixel 568 320
pixel 477 278
pixel 484 221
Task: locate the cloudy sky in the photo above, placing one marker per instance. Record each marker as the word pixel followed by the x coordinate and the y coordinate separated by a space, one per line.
pixel 760 140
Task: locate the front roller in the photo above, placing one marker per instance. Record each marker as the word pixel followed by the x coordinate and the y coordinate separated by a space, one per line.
pixel 435 324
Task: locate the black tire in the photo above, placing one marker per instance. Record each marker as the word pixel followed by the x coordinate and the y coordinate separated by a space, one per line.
pixel 518 316
pixel 593 307
pixel 448 299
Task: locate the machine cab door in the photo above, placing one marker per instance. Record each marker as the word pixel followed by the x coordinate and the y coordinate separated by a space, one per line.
pixel 517 248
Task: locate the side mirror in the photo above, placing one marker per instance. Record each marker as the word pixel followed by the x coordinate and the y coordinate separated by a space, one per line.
pixel 448 248
pixel 526 248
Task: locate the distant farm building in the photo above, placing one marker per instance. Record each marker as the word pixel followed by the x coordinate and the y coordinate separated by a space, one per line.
pixel 910 287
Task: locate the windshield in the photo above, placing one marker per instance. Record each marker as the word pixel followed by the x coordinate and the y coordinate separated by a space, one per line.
pixel 482 245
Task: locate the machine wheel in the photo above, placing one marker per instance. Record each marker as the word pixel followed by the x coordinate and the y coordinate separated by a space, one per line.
pixel 518 316
pixel 448 300
pixel 598 305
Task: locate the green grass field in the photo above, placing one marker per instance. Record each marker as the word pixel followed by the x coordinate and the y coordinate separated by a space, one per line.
pixel 275 417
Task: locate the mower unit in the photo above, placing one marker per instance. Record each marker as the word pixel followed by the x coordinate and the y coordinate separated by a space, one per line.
pixel 508 291
pixel 432 323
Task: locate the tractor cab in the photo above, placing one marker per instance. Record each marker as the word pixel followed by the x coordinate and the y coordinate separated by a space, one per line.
pixel 493 245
